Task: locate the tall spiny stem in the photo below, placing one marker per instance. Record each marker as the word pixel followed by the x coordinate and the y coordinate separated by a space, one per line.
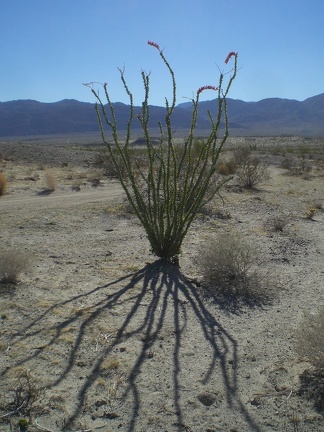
pixel 171 183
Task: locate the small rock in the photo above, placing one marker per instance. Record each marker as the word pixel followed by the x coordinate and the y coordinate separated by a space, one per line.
pixel 206 399
pixel 100 402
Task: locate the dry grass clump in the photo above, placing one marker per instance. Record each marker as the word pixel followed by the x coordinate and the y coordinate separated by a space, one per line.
pixel 310 338
pixel 228 267
pixel 3 183
pixel 109 364
pixel 227 167
pixel 50 181
pixel 76 184
pixel 312 386
pixel 276 223
pixel 22 396
pixel 310 213
pixel 208 212
pixel 94 177
pixel 12 264
pixel 310 344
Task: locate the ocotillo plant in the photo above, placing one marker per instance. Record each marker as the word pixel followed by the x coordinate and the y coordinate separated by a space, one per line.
pixel 169 184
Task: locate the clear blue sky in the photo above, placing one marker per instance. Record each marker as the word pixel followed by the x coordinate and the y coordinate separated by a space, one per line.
pixel 50 47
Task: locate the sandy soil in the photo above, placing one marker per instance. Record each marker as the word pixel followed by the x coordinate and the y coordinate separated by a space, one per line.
pixel 97 336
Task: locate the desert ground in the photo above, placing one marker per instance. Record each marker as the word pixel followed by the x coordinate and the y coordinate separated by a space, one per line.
pixel 99 336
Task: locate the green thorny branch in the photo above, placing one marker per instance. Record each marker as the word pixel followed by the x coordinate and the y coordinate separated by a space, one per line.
pixel 169 184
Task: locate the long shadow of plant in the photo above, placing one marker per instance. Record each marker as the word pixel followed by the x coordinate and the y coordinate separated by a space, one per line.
pixel 169 301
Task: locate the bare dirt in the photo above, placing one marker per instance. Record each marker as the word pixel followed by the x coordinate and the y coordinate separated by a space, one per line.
pixel 98 336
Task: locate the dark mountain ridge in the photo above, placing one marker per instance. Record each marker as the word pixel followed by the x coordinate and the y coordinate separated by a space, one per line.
pixel 272 116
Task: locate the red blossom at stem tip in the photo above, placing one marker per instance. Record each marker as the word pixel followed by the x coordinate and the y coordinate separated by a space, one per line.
pixel 154 44
pixel 207 87
pixel 231 54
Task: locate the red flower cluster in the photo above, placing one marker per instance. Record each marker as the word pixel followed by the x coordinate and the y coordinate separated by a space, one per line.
pixel 154 44
pixel 207 87
pixel 231 54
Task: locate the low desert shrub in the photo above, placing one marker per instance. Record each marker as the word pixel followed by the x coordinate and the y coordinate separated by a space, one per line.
pixel 22 424
pixel 208 212
pixel 312 386
pixel 275 149
pixel 250 171
pixel 228 266
pixel 3 183
pixel 309 343
pixel 95 177
pixel 104 161
pixel 25 392
pixel 287 163
pixel 12 264
pixel 276 223
pixel 76 184
pixel 301 168
pixel 310 338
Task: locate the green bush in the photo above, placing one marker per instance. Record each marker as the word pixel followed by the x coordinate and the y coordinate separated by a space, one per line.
pixel 169 184
pixel 23 424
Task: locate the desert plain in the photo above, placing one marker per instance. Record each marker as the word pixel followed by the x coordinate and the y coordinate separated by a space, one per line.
pixel 99 336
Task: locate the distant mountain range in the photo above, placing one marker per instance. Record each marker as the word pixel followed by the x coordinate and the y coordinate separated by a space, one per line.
pixel 273 116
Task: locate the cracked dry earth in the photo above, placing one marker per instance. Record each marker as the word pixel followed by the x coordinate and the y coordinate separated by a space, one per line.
pixel 97 336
